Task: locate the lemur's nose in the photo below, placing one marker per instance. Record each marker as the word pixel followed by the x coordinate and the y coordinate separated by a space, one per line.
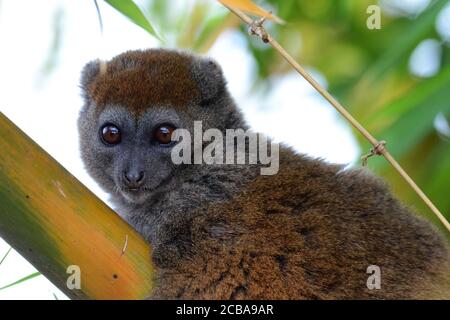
pixel 133 179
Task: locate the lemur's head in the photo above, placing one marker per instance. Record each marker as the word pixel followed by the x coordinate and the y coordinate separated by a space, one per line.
pixel 132 105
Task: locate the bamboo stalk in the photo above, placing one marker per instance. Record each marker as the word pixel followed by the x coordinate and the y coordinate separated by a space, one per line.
pixel 55 222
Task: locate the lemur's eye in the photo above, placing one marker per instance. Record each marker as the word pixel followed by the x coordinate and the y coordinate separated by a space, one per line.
pixel 110 134
pixel 163 134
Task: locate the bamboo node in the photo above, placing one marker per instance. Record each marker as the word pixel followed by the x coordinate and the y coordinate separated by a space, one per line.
pixel 257 29
pixel 377 150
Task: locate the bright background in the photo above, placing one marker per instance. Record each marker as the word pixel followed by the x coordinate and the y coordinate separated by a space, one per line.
pixel 44 45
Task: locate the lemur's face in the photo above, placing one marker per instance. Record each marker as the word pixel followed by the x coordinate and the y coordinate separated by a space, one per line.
pixel 134 153
pixel 131 111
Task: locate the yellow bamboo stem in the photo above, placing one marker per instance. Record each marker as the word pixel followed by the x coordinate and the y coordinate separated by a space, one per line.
pixel 55 222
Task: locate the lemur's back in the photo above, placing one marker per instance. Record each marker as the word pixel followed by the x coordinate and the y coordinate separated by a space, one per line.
pixel 309 232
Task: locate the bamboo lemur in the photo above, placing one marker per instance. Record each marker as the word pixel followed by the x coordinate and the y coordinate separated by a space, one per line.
pixel 225 231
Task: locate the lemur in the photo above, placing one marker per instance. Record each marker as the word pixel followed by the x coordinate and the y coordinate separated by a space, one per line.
pixel 225 231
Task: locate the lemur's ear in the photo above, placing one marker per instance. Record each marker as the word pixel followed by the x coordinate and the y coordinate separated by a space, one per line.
pixel 88 75
pixel 209 77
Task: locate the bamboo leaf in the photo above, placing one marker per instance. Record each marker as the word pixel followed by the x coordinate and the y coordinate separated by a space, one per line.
pixel 250 7
pixel 31 276
pixel 420 93
pixel 414 124
pixel 399 50
pixel 210 30
pixel 439 173
pixel 4 257
pixel 129 9
pixel 55 46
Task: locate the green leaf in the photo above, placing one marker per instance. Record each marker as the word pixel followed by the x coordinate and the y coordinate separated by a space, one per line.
pixel 418 94
pixel 212 25
pixel 31 276
pixel 418 114
pixel 129 9
pixel 4 257
pixel 439 181
pixel 417 29
pixel 56 42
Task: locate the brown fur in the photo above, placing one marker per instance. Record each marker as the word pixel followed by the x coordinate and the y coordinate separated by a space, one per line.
pixel 309 233
pixel 167 81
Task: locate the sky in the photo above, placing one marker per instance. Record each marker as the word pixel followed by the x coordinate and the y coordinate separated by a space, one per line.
pixel 47 107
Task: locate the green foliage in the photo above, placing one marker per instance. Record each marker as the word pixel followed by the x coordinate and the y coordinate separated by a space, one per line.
pixel 4 257
pixel 29 277
pixel 129 9
pixel 55 47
